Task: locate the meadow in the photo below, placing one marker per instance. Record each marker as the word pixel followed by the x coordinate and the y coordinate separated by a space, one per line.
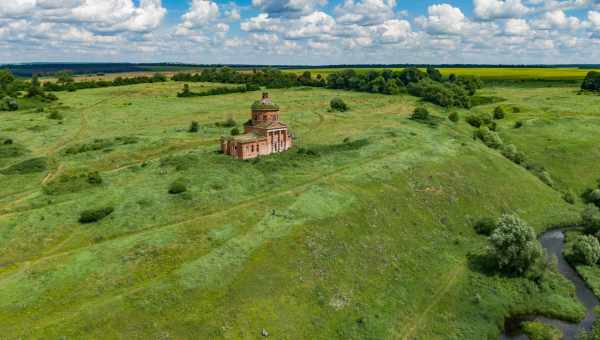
pixel 364 240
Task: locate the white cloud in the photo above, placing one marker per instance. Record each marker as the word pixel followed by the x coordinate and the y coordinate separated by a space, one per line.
pixel 287 8
pixel 200 14
pixel 444 19
pixel 517 27
pixel 499 9
pixel 365 12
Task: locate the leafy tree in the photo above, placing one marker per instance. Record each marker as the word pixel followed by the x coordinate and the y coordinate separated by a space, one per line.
pixel 377 85
pixel 420 113
pixel 485 226
pixel 64 77
pixel 411 75
pixel 434 74
pixel 591 81
pixel 35 89
pixel 499 112
pixel 9 104
pixel 586 250
pixel 235 131
pixel 454 117
pixel 194 127
pixel 6 78
pixel 514 246
pixel 337 104
pixel 590 219
pixel 391 87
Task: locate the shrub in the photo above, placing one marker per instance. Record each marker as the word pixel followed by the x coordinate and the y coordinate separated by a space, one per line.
pixel 27 167
pixel 539 331
pixel 514 246
pixel 510 152
pixel 516 109
pixel 569 197
pixel 592 196
pixel 194 127
pixel 454 117
pixel 591 81
pixel 489 138
pixel 9 104
pixel 442 94
pixel 338 104
pixel 590 219
pixel 499 112
pixel 94 178
pixel 55 115
pixel 420 113
pixel 518 124
pixel 229 122
pixel 95 215
pixel 474 121
pixel 177 187
pixel 235 131
pixel 586 250
pixel 485 226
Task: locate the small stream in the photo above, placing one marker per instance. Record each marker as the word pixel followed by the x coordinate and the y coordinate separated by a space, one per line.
pixel 553 242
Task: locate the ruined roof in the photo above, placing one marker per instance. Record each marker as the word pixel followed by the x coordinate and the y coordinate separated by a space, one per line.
pixel 270 125
pixel 245 138
pixel 264 104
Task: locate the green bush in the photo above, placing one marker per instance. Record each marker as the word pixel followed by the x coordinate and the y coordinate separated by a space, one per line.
pixel 177 187
pixel 474 120
pixel 27 167
pixel 454 117
pixel 519 124
pixel 590 219
pixel 510 152
pixel 94 178
pixel 420 113
pixel 499 112
pixel 235 131
pixel 485 226
pixel 442 94
pixel 539 331
pixel 586 250
pixel 489 138
pixel 194 127
pixel 9 104
pixel 514 246
pixel 95 215
pixel 592 196
pixel 338 104
pixel 229 122
pixel 591 81
pixel 569 197
pixel 55 115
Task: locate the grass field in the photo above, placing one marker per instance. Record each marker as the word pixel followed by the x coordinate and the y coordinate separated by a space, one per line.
pixel 368 240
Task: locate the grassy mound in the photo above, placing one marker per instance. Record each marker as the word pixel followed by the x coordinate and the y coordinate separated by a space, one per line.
pixel 29 166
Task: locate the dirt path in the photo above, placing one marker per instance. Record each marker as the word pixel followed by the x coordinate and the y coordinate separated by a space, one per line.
pixel 450 281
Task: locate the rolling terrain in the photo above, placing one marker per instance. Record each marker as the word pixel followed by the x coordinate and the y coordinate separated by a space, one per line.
pixel 368 236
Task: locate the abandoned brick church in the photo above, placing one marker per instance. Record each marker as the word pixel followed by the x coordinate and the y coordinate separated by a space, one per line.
pixel 263 135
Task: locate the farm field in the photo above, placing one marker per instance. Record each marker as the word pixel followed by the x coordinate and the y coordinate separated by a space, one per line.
pixel 368 237
pixel 486 73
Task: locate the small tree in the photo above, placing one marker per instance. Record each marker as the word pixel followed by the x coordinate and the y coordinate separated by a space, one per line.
pixel 34 89
pixel 499 112
pixel 590 219
pixel 64 77
pixel 235 131
pixel 194 127
pixel 434 74
pixel 454 117
pixel 9 104
pixel 420 113
pixel 185 92
pixel 591 81
pixel 338 104
pixel 177 187
pixel 514 246
pixel 586 250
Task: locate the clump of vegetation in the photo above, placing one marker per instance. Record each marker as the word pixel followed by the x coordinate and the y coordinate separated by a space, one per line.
pixel 499 113
pixel 446 95
pixel 70 183
pixel 65 82
pixel 519 124
pixel 592 196
pixel 512 153
pixel 8 149
pixel 337 104
pixel 194 127
pixel 539 331
pixel 55 115
pixel 95 215
pixel 216 90
pixel 474 120
pixel 585 250
pixel 514 246
pixel 9 104
pixel 569 197
pixel 485 226
pixel 541 173
pixel 454 117
pixel 591 82
pixel 590 219
pixel 177 187
pixel 29 166
pixel 229 122
pixel 235 131
pixel 489 138
pixel 422 115
pixel 35 91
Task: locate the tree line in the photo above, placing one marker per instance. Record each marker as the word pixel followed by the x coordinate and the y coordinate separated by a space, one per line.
pixel 186 92
pixel 65 82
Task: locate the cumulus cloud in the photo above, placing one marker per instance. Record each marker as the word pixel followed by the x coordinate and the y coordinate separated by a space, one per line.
pixel 200 14
pixel 287 8
pixel 366 12
pixel 444 19
pixel 499 9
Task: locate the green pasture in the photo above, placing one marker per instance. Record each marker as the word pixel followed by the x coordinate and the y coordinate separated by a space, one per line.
pixel 370 237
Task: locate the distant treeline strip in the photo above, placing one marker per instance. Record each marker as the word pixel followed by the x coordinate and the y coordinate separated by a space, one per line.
pixel 92 84
pixel 271 78
pixel 217 90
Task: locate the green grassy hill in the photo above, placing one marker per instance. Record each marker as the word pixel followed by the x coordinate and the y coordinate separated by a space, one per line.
pixel 367 237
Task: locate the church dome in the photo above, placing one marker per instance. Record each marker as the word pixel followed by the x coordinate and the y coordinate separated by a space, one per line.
pixel 265 104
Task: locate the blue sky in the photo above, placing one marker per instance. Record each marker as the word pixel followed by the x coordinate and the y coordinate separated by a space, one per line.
pixel 301 31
